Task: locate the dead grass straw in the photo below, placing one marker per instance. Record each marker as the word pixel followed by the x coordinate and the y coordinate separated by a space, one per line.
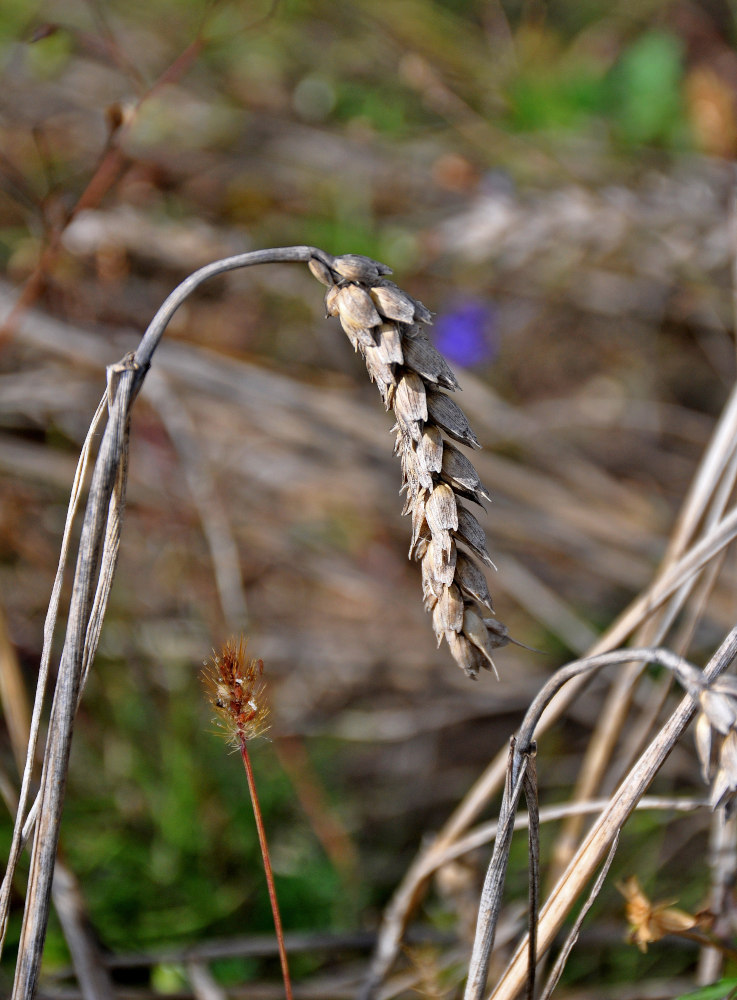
pixel 599 839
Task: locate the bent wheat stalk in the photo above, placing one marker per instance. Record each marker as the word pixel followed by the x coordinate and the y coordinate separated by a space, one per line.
pixel 385 325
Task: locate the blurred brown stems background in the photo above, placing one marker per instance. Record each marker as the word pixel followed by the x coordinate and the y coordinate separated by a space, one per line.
pixel 555 180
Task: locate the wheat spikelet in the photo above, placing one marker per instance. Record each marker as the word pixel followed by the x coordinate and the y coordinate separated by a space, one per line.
pixel 384 324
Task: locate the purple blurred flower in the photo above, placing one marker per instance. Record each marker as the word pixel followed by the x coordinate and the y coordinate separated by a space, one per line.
pixel 466 334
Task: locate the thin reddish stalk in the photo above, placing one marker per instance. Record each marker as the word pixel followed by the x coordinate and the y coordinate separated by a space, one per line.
pixel 267 868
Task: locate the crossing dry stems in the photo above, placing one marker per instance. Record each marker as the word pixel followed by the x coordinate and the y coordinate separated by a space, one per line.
pixel 385 326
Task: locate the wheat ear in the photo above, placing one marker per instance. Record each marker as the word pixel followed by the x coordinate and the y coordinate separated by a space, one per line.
pixel 384 324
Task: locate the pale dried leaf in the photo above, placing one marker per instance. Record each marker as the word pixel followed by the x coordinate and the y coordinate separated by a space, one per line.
pixel 356 308
pixel 430 449
pixel 378 370
pixel 358 336
pixel 420 527
pixel 441 561
pixel 411 482
pixel 424 475
pixel 476 631
pixel 331 301
pixel 726 684
pixel 720 710
pixel 448 612
pixel 725 782
pixel 464 653
pixel 430 597
pixel 389 344
pixel 410 404
pixel 321 271
pixel 703 740
pixel 421 547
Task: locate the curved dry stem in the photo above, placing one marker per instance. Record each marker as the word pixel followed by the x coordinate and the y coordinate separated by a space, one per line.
pixel 522 747
pixel 280 255
pixel 485 833
pixel 96 561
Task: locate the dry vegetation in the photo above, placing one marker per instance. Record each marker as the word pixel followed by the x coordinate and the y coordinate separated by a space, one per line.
pixel 263 498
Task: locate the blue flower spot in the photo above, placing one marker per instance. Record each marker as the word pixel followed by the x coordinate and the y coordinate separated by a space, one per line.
pixel 466 334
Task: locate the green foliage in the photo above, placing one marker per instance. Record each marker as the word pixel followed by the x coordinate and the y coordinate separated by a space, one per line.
pixel 566 99
pixel 15 18
pixel 646 91
pixel 49 56
pixel 570 90
pixel 725 989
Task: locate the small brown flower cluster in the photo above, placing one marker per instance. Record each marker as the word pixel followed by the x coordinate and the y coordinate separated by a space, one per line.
pixel 651 922
pixel 236 689
pixel 718 714
pixel 384 324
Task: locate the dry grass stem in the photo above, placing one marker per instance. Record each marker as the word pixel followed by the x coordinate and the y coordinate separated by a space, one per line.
pixel 572 936
pixel 680 573
pixel 723 869
pixel 95 565
pixel 486 833
pixel 408 891
pixel 703 690
pixel 599 839
pixel 701 511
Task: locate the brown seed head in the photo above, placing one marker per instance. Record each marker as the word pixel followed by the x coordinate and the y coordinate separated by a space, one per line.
pixel 235 688
pixel 384 325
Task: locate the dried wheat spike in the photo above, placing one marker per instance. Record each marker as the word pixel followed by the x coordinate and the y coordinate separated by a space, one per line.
pixel 384 324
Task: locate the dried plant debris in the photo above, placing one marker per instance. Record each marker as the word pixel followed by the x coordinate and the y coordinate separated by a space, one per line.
pixel 718 715
pixel 385 325
pixel 650 922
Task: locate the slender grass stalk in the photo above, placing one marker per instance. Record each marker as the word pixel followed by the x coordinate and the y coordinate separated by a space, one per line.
pixel 236 689
pixel 267 868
